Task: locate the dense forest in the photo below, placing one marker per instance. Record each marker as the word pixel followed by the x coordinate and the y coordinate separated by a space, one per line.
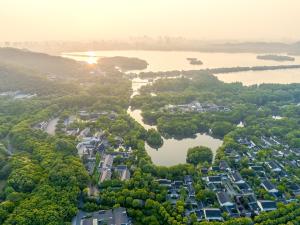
pixel 241 101
pixel 46 64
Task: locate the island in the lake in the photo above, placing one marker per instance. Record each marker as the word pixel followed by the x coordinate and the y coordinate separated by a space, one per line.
pixel 279 58
pixel 123 63
pixel 194 61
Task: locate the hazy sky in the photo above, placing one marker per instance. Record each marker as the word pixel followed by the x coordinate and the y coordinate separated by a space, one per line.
pixel 103 19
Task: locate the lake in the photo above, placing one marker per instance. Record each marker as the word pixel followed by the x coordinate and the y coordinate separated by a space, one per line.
pixel 176 60
pixel 287 76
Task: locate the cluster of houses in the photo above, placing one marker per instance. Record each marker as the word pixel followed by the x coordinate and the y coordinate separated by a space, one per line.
pixel 280 151
pixel 195 106
pixel 202 210
pixel 235 195
pixel 90 143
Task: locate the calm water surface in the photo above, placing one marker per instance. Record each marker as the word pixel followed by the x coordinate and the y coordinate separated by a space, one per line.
pixel 259 77
pixel 174 151
pixel 176 60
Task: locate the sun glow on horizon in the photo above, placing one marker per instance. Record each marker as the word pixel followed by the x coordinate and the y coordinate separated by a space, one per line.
pixel 92 58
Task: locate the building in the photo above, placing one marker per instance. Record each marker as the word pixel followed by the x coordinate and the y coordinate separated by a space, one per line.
pixel 188 180
pixel 224 199
pixel 123 172
pixel 259 170
pixel 269 187
pixel 214 180
pixel 105 174
pixel 273 166
pixel 266 206
pixel 85 132
pixel 200 215
pixel 244 187
pixel 224 166
pixel 191 191
pixel 106 161
pixel 117 216
pixel 295 188
pixel 236 177
pixel 212 214
pixel 164 182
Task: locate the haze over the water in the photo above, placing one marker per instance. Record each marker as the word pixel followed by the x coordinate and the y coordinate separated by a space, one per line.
pixel 77 20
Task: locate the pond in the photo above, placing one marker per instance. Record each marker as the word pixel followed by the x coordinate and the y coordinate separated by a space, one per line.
pixel 174 151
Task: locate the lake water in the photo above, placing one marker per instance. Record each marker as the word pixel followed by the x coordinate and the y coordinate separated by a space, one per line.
pixel 176 60
pixel 174 151
pixel 259 77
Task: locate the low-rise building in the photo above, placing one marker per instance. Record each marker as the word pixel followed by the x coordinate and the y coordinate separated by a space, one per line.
pixel 236 177
pixel 213 180
pixel 117 216
pixel 266 205
pixel 106 161
pixel 164 182
pixel 105 174
pixel 244 188
pixel 224 199
pixel 269 187
pixel 273 166
pixel 212 214
pixel 224 166
pixel 123 172
pixel 295 188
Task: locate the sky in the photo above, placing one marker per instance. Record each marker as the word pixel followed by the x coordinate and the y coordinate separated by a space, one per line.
pixel 86 20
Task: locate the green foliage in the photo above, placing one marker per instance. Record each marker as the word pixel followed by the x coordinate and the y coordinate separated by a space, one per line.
pixel 14 78
pixel 200 155
pixel 205 88
pixel 154 139
pixel 220 129
pixel 124 63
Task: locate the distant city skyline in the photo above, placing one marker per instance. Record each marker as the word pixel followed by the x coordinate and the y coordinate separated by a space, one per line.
pixel 87 20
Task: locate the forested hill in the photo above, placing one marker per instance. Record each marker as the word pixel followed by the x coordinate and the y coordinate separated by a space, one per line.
pixel 15 78
pixel 46 64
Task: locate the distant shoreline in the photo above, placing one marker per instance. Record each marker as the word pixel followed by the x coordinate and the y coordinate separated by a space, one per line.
pixel 145 75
